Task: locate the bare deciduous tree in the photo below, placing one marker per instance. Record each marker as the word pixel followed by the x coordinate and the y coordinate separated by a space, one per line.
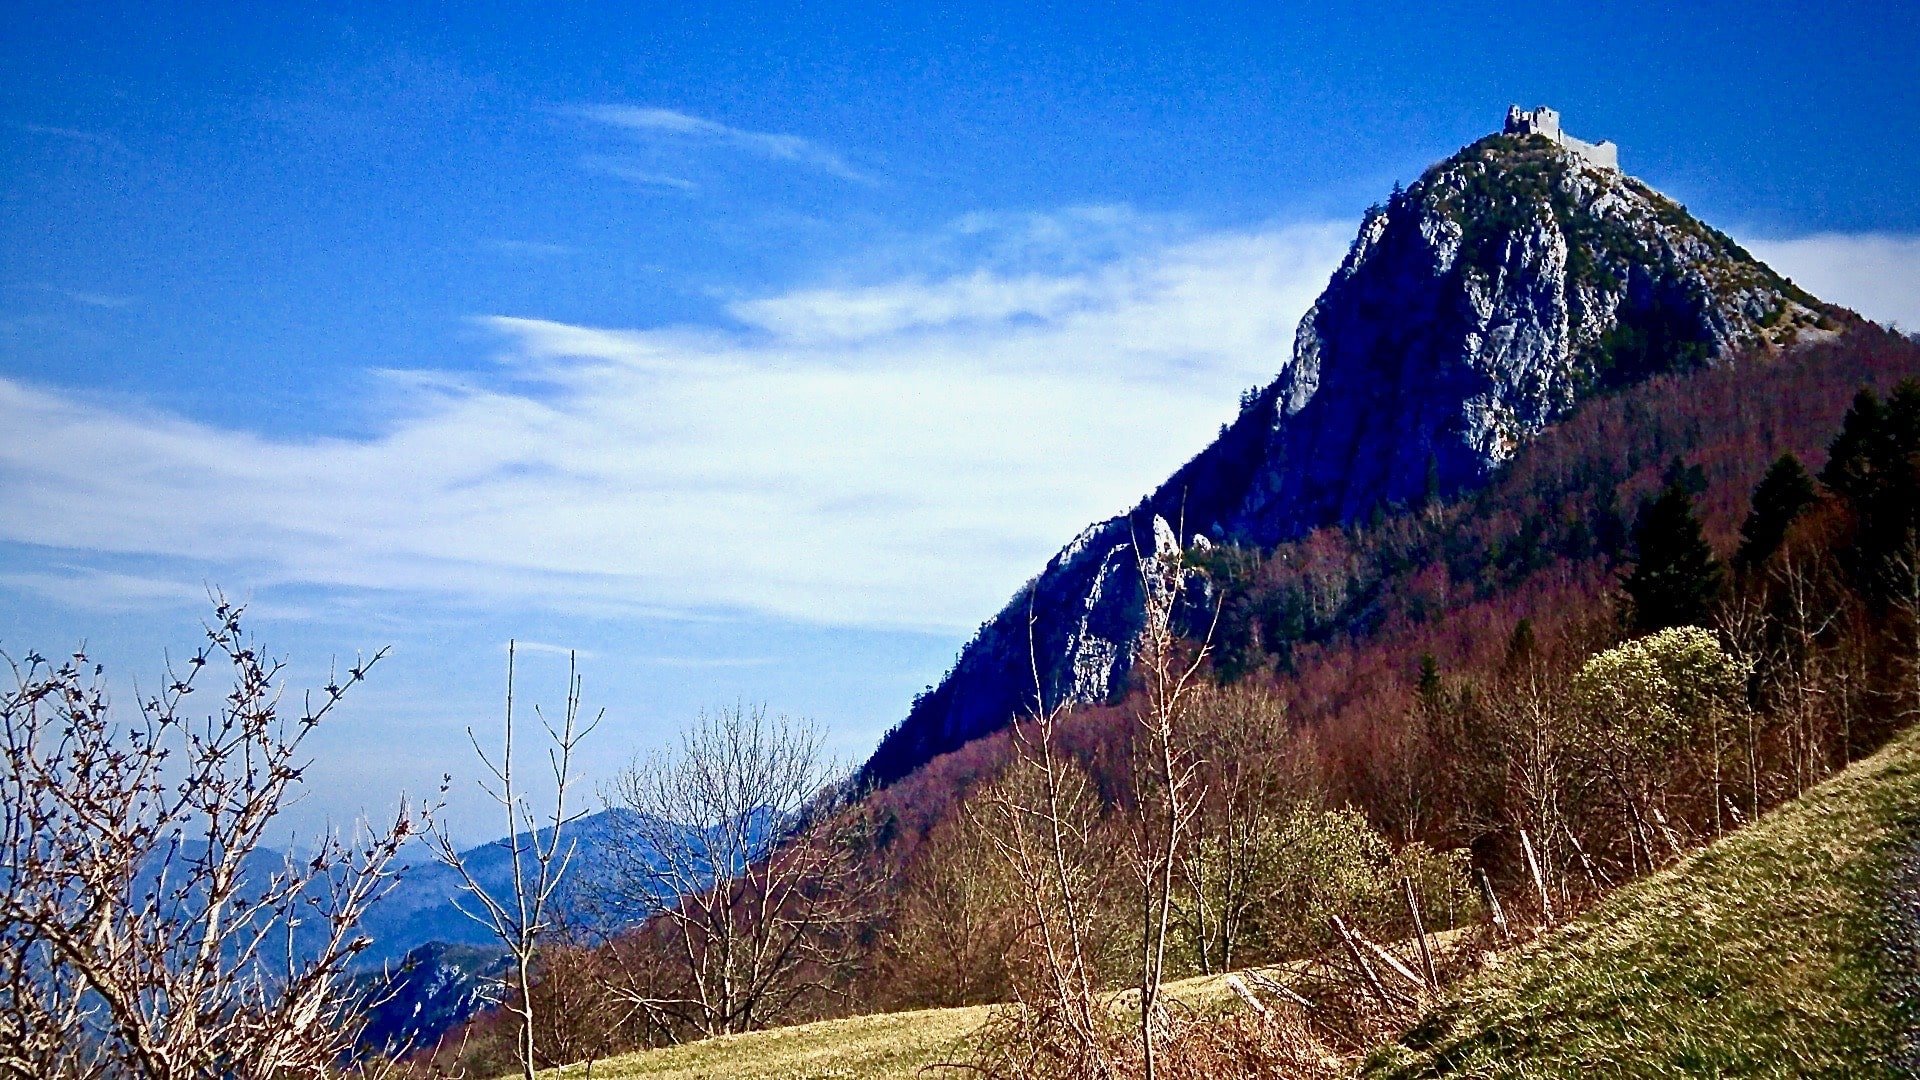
pixel 577 1020
pixel 1254 766
pixel 145 930
pixel 1745 627
pixel 1904 581
pixel 735 852
pixel 954 923
pixel 1043 819
pixel 1531 738
pixel 1803 676
pixel 1167 783
pixel 538 853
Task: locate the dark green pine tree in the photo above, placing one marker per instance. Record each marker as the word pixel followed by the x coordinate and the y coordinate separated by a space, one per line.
pixel 1902 423
pixel 1520 647
pixel 1874 466
pixel 1428 689
pixel 1690 478
pixel 1897 477
pixel 1782 495
pixel 1677 577
pixel 1860 446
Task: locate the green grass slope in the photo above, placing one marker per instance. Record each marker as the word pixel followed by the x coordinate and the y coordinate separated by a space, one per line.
pixel 1782 950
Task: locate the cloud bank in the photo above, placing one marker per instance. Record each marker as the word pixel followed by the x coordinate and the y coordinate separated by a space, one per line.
pixel 1876 274
pixel 893 453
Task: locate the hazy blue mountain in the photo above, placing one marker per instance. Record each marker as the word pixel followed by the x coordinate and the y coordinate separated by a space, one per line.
pixel 435 987
pixel 427 905
pixel 431 966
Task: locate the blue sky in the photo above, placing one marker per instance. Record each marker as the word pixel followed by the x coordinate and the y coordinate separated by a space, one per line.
pixel 759 352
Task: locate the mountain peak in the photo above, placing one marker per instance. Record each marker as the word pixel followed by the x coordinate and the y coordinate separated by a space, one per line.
pixel 1480 304
pixel 1477 306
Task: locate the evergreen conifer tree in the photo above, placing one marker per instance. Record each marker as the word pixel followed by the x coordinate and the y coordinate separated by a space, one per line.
pixel 1520 646
pixel 1849 472
pixel 1902 421
pixel 1677 577
pixel 1428 688
pixel 1874 465
pixel 1781 496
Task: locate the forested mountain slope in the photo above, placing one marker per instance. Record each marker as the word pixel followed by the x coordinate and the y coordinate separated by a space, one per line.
pixel 1337 621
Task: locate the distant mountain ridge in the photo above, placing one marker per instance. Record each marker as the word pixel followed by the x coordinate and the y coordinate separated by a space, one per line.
pixel 1475 308
pixel 427 905
pixel 433 989
pixel 431 966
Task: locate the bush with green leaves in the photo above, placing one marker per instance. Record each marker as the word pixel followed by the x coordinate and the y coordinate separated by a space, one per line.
pixel 1314 863
pixel 1650 710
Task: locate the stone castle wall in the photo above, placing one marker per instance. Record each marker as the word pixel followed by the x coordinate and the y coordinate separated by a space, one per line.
pixel 1545 122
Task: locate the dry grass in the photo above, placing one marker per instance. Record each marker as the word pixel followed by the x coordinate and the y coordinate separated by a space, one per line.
pixel 859 1048
pixel 887 1046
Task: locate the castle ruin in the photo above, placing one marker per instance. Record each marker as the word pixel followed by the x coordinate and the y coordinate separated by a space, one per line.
pixel 1545 122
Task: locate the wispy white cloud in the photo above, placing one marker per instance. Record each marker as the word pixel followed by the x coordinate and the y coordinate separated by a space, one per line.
pixel 103 591
pixel 894 451
pixel 521 645
pixel 528 247
pixel 90 299
pixel 12 324
pixel 636 174
pixel 671 124
pixel 1876 274
pixel 708 662
pixel 821 315
pixel 899 453
pixel 98 591
pixel 69 134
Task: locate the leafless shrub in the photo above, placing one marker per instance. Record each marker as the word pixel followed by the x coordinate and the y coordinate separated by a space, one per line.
pixel 1168 785
pixel 1254 768
pixel 575 1019
pixel 954 923
pixel 538 854
pixel 1043 819
pixel 1275 1043
pixel 144 928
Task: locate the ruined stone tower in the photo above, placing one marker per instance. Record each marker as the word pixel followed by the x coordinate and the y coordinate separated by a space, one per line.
pixel 1545 122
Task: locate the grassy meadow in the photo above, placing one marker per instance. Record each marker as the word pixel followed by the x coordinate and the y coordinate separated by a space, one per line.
pixel 887 1046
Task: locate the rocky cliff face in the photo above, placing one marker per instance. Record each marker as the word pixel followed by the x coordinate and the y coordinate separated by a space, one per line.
pixel 429 992
pixel 1475 308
